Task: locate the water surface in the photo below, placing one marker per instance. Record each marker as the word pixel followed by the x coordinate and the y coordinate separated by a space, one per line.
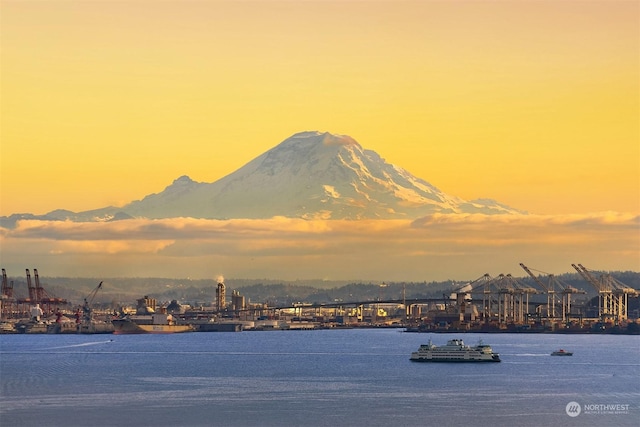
pixel 356 377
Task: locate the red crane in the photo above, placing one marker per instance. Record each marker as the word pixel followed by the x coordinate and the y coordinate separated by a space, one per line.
pixel 43 297
pixel 40 292
pixel 6 296
pixel 7 289
pixel 33 296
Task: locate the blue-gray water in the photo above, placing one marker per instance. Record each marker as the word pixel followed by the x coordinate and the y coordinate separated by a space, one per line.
pixel 357 377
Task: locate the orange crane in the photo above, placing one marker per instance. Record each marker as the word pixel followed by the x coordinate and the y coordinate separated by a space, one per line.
pixel 7 289
pixel 33 296
pixel 6 296
pixel 40 292
pixel 38 295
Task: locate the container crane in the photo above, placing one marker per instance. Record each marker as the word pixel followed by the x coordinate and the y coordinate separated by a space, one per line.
pixel 567 291
pixel 489 301
pixel 513 297
pixel 548 289
pixel 604 293
pixel 612 296
pixel 480 285
pixel 620 293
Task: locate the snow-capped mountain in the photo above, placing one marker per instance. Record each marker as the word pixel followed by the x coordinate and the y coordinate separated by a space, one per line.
pixel 309 175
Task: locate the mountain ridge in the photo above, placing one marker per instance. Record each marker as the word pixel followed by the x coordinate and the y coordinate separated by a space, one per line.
pixel 309 175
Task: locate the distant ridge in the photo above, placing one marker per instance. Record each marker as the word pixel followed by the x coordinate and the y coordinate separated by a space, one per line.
pixel 308 175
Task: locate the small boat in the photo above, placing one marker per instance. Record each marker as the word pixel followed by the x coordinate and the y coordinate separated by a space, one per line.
pixel 454 351
pixel 562 352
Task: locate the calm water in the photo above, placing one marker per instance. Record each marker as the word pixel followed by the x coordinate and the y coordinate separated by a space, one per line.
pixel 313 378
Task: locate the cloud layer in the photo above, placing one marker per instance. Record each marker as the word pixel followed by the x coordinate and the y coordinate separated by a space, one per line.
pixel 436 247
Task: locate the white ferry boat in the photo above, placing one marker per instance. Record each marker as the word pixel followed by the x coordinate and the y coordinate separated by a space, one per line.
pixel 454 351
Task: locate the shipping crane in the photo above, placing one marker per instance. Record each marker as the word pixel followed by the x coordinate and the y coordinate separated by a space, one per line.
pixel 605 300
pixel 612 295
pixel 548 289
pixel 88 303
pixel 567 291
pixel 40 292
pixel 42 296
pixel 605 294
pixel 482 283
pixel 6 296
pixel 621 293
pixel 33 296
pixel 7 289
pixel 513 299
pixel 503 298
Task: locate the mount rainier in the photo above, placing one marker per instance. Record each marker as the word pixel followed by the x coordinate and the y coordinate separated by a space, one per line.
pixel 310 175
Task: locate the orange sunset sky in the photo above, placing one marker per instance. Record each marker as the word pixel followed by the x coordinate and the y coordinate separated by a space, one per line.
pixel 531 103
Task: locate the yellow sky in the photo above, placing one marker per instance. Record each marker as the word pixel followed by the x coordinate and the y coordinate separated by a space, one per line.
pixel 532 103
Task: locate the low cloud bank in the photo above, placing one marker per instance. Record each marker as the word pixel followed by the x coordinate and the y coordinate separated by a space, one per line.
pixel 435 247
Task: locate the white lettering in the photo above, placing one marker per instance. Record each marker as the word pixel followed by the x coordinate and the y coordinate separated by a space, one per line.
pixel 604 408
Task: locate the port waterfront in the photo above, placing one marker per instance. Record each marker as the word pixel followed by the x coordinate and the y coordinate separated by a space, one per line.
pixel 416 315
pixel 359 377
pixel 426 315
pixel 101 324
pixel 501 304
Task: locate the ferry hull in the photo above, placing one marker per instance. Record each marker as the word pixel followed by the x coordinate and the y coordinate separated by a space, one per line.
pixel 436 360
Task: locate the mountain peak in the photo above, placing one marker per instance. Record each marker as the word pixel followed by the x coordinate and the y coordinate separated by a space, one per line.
pixel 330 139
pixel 316 174
pixel 311 174
pixel 319 139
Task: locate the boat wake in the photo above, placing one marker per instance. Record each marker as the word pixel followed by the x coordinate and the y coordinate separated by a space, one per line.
pixel 81 345
pixel 527 354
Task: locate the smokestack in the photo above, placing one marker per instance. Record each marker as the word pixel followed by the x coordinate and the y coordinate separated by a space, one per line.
pixel 221 295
